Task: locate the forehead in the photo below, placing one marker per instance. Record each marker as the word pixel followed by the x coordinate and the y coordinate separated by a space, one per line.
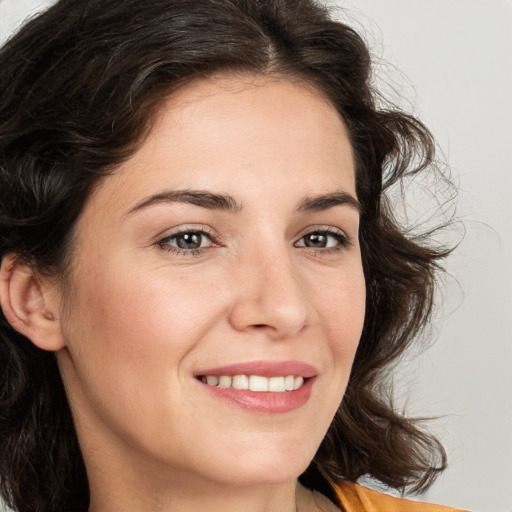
pixel 244 90
pixel 232 133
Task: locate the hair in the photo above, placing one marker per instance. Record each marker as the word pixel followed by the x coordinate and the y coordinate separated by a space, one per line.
pixel 78 89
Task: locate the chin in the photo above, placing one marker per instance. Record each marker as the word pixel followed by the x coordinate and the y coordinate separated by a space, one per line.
pixel 262 476
pixel 262 466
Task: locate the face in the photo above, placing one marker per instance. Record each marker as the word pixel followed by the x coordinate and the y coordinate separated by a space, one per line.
pixel 224 254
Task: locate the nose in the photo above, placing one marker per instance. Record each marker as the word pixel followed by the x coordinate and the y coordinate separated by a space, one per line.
pixel 271 297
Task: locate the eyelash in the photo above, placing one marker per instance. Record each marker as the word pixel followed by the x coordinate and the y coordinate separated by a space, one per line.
pixel 165 245
pixel 343 241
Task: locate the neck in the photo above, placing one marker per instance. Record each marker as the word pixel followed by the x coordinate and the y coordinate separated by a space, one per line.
pixel 288 497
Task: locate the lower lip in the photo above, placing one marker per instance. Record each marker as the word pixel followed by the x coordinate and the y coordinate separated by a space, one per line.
pixel 264 402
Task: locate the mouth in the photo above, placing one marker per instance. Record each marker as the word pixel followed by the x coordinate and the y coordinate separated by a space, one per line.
pixel 264 387
pixel 256 383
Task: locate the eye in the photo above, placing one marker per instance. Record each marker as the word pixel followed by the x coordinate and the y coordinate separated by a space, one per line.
pixel 190 241
pixel 323 239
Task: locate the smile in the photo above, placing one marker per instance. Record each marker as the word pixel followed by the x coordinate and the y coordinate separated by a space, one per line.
pixel 268 387
pixel 256 383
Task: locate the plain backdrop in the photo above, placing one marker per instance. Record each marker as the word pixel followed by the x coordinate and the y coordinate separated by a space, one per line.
pixel 450 63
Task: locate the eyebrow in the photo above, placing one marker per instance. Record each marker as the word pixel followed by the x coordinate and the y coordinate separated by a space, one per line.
pixel 201 198
pixel 323 202
pixel 225 202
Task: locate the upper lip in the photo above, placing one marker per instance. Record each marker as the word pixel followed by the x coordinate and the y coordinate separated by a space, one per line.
pixel 263 368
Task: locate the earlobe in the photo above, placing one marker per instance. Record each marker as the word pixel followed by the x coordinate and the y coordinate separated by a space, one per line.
pixel 28 304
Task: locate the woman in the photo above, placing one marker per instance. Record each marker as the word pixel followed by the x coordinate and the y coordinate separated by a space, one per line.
pixel 202 283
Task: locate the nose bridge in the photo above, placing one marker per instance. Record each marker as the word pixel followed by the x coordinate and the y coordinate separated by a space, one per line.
pixel 272 294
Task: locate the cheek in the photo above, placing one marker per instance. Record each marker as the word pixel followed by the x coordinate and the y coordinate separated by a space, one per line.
pixel 140 308
pixel 126 328
pixel 128 338
pixel 343 301
pixel 343 313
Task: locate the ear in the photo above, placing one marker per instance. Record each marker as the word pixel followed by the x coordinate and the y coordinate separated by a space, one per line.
pixel 30 304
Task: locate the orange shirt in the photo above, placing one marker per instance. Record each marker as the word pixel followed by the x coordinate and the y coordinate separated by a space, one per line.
pixel 355 498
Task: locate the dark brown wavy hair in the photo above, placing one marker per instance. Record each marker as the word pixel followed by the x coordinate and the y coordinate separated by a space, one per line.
pixel 78 87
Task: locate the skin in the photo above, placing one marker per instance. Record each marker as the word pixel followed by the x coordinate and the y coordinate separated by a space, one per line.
pixel 145 316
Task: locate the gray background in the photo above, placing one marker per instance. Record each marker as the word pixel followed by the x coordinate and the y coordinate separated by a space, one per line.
pixel 451 61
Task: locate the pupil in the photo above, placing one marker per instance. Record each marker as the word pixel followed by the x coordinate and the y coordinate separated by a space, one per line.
pixel 189 241
pixel 316 240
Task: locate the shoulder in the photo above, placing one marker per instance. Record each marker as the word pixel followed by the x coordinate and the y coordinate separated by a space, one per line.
pixel 355 498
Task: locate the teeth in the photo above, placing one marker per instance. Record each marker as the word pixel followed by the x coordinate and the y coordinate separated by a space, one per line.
pixel 255 382
pixel 241 382
pixel 212 380
pixel 224 381
pixel 276 384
